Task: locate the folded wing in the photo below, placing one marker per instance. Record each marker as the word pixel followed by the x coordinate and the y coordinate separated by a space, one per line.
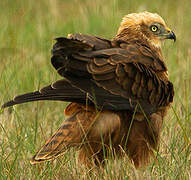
pixel 111 75
pixel 130 72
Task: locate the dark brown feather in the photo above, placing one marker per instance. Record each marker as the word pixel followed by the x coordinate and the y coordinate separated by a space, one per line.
pixel 136 61
pixel 119 74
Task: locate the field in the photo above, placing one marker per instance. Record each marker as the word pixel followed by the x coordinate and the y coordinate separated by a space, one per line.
pixel 27 32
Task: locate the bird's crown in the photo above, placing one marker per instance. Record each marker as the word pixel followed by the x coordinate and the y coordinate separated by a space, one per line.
pixel 141 18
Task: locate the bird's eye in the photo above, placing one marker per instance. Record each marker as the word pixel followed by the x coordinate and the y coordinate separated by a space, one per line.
pixel 154 28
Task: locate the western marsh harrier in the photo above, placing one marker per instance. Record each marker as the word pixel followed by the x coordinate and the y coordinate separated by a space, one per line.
pixel 119 92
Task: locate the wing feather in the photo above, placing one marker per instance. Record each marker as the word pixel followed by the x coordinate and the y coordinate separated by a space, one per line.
pixel 130 72
pixel 113 75
pixel 60 90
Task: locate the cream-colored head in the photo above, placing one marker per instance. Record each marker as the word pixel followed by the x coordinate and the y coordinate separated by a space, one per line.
pixel 145 25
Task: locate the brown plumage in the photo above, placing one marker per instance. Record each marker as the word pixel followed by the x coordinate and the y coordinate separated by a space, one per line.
pixel 118 89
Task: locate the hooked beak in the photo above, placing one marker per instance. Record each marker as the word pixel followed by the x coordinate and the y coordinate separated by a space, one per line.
pixel 171 35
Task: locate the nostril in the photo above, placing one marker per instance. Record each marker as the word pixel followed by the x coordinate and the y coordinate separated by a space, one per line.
pixel 168 30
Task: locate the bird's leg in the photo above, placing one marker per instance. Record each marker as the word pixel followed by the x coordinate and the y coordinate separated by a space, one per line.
pixel 100 139
pixel 144 138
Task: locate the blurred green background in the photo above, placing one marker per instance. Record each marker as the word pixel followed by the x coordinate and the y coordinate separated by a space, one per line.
pixel 27 32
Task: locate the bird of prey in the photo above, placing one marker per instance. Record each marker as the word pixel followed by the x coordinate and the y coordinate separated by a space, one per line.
pixel 119 92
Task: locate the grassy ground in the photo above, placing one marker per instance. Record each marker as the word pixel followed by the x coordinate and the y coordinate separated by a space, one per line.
pixel 27 30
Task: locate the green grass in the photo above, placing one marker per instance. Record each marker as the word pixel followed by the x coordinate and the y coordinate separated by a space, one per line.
pixel 27 32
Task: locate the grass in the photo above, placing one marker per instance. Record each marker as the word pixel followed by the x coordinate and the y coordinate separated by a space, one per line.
pixel 27 32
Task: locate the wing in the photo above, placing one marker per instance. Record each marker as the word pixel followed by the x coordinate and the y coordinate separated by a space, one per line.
pixel 60 90
pixel 130 73
pixel 109 75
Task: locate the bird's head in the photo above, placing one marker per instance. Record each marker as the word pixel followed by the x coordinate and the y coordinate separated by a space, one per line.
pixel 145 26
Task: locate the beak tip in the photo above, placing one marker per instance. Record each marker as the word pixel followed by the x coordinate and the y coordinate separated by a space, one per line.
pixel 172 36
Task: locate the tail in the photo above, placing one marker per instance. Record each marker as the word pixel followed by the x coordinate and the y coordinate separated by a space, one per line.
pixel 85 129
pixel 72 133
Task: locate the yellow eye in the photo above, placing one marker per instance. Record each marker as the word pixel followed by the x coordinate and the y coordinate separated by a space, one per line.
pixel 154 28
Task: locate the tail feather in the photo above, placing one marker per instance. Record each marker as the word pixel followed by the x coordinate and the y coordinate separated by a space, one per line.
pixel 70 134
